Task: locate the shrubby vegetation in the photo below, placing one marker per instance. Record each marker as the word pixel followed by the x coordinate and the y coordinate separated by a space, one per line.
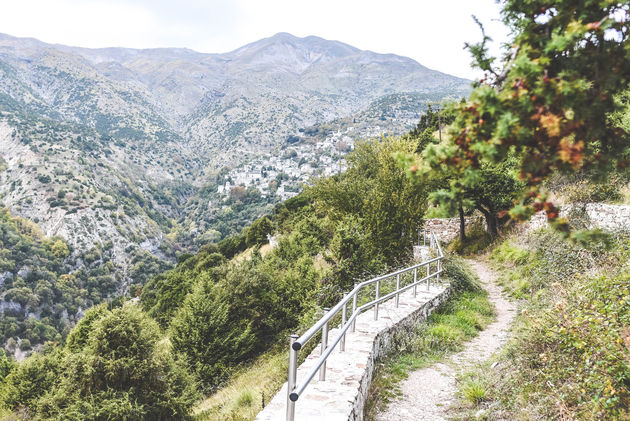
pixel 41 291
pixel 569 354
pixel 215 223
pixel 557 106
pixel 46 286
pixel 115 367
pixel 336 232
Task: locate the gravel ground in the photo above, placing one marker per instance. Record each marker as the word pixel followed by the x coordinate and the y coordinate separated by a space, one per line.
pixel 427 393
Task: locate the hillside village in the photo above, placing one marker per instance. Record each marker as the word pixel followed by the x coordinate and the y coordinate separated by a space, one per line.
pixel 282 174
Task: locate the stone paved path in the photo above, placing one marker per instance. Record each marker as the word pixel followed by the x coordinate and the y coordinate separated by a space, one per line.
pixel 336 398
pixel 427 393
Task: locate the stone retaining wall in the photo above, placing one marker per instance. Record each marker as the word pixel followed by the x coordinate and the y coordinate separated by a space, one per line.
pixel 599 215
pixel 342 396
pixel 447 229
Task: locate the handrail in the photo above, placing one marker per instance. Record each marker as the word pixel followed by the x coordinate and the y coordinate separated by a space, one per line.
pixel 294 391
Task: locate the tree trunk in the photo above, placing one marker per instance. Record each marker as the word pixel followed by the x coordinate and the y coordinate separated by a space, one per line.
pixel 491 221
pixel 462 224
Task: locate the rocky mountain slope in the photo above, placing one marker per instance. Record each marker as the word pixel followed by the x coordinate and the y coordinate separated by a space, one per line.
pixel 119 146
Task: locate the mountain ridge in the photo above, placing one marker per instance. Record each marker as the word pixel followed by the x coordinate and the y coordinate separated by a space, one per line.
pixel 129 142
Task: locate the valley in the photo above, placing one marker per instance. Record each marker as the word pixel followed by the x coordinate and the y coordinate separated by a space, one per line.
pixel 133 157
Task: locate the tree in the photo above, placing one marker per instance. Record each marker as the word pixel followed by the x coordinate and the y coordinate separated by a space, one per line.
pixel 492 193
pixel 351 252
pixel 78 336
pixel 257 232
pixel 31 379
pixel 6 365
pixel 212 338
pixel 429 123
pixel 237 194
pixel 375 188
pixel 59 249
pixel 222 324
pixel 123 372
pixel 549 103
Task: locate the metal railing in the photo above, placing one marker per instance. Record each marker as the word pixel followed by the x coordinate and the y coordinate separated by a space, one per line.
pixel 294 390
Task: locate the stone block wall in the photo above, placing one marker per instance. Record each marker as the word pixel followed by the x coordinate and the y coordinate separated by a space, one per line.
pixel 605 216
pixel 614 218
pixel 447 229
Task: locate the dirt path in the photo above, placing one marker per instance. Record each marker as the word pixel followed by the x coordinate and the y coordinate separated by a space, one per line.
pixel 427 393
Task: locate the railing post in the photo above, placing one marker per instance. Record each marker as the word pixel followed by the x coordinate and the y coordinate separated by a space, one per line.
pixel 428 276
pixel 397 288
pixel 378 294
pixel 342 345
pixel 291 378
pixel 415 279
pixel 439 267
pixel 322 370
pixel 354 308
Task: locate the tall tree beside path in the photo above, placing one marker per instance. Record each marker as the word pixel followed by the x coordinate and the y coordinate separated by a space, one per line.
pixel 548 102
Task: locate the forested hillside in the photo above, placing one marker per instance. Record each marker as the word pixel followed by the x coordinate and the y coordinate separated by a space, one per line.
pixel 232 301
pixel 131 151
pixel 44 291
pixel 124 155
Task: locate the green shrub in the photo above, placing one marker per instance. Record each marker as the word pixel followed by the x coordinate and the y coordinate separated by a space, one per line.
pixel 460 275
pixel 245 398
pixel 231 246
pixel 31 379
pixel 257 232
pixel 25 345
pixel 78 337
pixel 123 372
pixel 507 252
pixel 477 241
pixel 587 191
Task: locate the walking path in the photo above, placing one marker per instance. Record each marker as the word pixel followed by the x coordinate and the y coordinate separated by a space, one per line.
pixel 427 393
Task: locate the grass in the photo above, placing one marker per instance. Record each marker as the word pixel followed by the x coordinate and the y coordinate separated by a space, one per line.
pixel 445 331
pixel 242 397
pixel 477 241
pixel 474 389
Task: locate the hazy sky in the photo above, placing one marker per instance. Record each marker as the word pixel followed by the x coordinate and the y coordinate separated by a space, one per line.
pixel 429 31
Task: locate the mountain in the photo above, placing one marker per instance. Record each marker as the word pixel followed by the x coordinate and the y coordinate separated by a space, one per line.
pixel 242 98
pixel 125 149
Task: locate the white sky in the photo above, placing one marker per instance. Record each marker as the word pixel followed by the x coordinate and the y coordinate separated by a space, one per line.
pixel 429 31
